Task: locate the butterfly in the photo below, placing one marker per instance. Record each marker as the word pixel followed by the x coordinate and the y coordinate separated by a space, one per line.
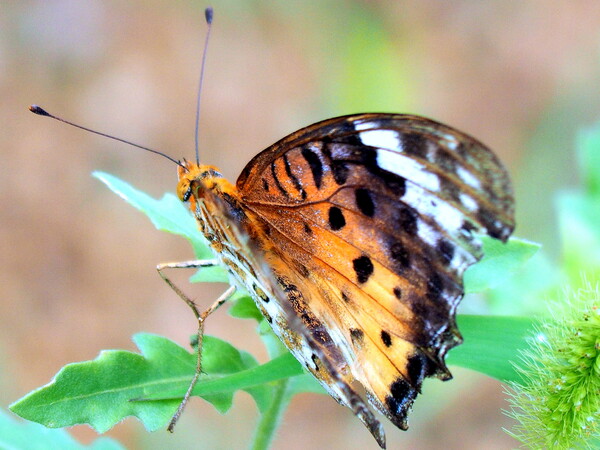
pixel 352 236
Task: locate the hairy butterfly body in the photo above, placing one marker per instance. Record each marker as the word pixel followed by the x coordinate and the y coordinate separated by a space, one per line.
pixel 352 235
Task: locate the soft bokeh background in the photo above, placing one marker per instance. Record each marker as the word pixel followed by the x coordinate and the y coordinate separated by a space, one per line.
pixel 78 263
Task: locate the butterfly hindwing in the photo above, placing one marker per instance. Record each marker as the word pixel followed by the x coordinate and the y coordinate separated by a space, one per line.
pixel 241 247
pixel 372 217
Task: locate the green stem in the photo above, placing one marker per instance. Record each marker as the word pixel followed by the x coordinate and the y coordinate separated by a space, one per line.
pixel 269 420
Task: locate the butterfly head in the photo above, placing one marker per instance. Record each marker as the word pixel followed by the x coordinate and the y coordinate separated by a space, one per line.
pixel 195 180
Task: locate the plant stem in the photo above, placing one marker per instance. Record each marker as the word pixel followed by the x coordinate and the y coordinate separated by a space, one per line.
pixel 270 419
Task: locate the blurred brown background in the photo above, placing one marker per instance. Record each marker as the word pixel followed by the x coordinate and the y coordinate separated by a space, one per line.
pixel 78 263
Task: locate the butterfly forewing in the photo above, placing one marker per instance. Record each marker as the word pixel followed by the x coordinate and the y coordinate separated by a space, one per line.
pixel 372 219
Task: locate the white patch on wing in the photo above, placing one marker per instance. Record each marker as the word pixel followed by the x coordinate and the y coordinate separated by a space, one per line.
pixel 427 233
pixel 448 217
pixel 361 126
pixel 468 177
pixel 451 142
pixel 461 259
pixel 381 139
pixel 408 168
pixel 468 202
pixel 432 150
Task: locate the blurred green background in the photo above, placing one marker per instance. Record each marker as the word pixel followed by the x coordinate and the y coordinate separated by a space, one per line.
pixel 78 263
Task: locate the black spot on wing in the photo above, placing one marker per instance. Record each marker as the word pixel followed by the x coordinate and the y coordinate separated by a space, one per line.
pixel 315 361
pixel 364 201
pixel 463 150
pixel 307 228
pixel 315 164
pixel 340 171
pixel 260 293
pixel 395 183
pixel 468 227
pixel 414 144
pixel 336 219
pixel 399 401
pixel 265 314
pixel 398 292
pixel 445 161
pixel 276 179
pixel 399 253
pixel 303 270
pixel 407 219
pixel 357 336
pixel 290 174
pixel 450 189
pixel 343 157
pixel 446 248
pixel 347 134
pixel 267 229
pixel 435 285
pixel 386 338
pixel 494 228
pixel 417 369
pixel 265 185
pixel 363 267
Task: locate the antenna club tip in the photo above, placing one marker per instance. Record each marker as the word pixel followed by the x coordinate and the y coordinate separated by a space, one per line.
pixel 208 14
pixel 38 110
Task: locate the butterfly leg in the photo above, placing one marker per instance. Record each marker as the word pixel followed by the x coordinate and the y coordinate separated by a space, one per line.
pixel 200 316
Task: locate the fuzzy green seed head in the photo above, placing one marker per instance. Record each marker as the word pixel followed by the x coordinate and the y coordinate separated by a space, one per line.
pixel 557 404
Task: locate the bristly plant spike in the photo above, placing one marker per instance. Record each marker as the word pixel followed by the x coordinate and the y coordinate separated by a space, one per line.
pixel 557 404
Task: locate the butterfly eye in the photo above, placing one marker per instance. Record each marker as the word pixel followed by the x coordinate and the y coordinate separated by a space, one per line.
pixel 184 189
pixel 187 194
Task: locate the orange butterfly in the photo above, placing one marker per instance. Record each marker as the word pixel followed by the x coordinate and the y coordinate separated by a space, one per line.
pixel 352 236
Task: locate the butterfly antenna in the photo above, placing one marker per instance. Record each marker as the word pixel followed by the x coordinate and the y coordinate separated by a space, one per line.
pixel 42 112
pixel 208 15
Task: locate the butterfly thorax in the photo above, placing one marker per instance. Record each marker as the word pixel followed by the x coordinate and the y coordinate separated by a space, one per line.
pixel 213 200
pixel 217 206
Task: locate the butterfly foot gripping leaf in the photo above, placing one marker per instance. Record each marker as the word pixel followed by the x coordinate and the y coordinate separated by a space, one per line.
pixel 352 235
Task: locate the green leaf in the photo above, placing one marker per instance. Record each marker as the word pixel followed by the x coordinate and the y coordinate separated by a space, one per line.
pixel 491 344
pixel 528 290
pixel 100 392
pixel 32 436
pixel 245 308
pixel 280 368
pixel 500 260
pixel 149 386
